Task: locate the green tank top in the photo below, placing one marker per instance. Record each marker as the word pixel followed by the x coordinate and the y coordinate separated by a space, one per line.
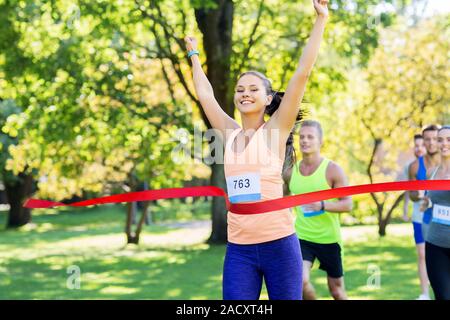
pixel 319 227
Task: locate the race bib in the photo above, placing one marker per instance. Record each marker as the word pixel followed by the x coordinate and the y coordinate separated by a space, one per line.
pixel 308 214
pixel 246 187
pixel 441 214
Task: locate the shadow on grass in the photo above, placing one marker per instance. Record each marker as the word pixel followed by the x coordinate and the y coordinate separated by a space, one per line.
pixel 70 223
pixel 194 273
pixel 381 269
pixel 109 271
pixel 157 273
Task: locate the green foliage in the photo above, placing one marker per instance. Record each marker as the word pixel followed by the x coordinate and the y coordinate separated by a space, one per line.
pixel 93 105
pixel 8 110
pixel 404 87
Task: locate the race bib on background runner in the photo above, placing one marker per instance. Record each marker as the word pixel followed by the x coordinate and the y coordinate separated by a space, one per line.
pixel 441 214
pixel 245 187
pixel 308 213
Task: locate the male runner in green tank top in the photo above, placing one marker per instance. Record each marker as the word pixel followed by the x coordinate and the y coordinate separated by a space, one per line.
pixel 317 224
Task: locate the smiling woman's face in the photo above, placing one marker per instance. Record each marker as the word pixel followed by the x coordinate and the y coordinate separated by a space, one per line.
pixel 444 143
pixel 250 95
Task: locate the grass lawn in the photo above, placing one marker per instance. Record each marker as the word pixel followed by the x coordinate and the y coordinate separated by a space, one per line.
pixel 172 261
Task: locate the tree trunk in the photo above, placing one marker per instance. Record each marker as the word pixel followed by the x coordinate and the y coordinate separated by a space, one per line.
pixel 219 217
pixel 382 224
pixel 17 192
pixel 133 237
pixel 216 27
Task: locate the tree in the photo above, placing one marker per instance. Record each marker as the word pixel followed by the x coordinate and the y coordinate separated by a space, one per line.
pixel 404 87
pixel 92 115
pixel 18 187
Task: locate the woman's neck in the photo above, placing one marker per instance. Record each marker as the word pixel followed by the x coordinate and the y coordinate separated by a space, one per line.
pixel 445 164
pixel 252 122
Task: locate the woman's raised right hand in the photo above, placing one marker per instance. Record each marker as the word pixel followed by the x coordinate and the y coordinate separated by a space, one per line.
pixel 191 43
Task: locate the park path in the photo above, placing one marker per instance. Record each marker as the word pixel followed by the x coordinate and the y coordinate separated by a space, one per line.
pixel 195 232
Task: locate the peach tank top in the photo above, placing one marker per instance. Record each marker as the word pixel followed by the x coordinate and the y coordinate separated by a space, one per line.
pixel 255 175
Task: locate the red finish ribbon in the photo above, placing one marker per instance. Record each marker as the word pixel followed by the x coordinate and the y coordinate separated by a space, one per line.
pixel 254 207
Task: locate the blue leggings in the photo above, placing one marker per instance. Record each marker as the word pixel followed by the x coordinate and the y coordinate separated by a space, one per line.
pixel 278 261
